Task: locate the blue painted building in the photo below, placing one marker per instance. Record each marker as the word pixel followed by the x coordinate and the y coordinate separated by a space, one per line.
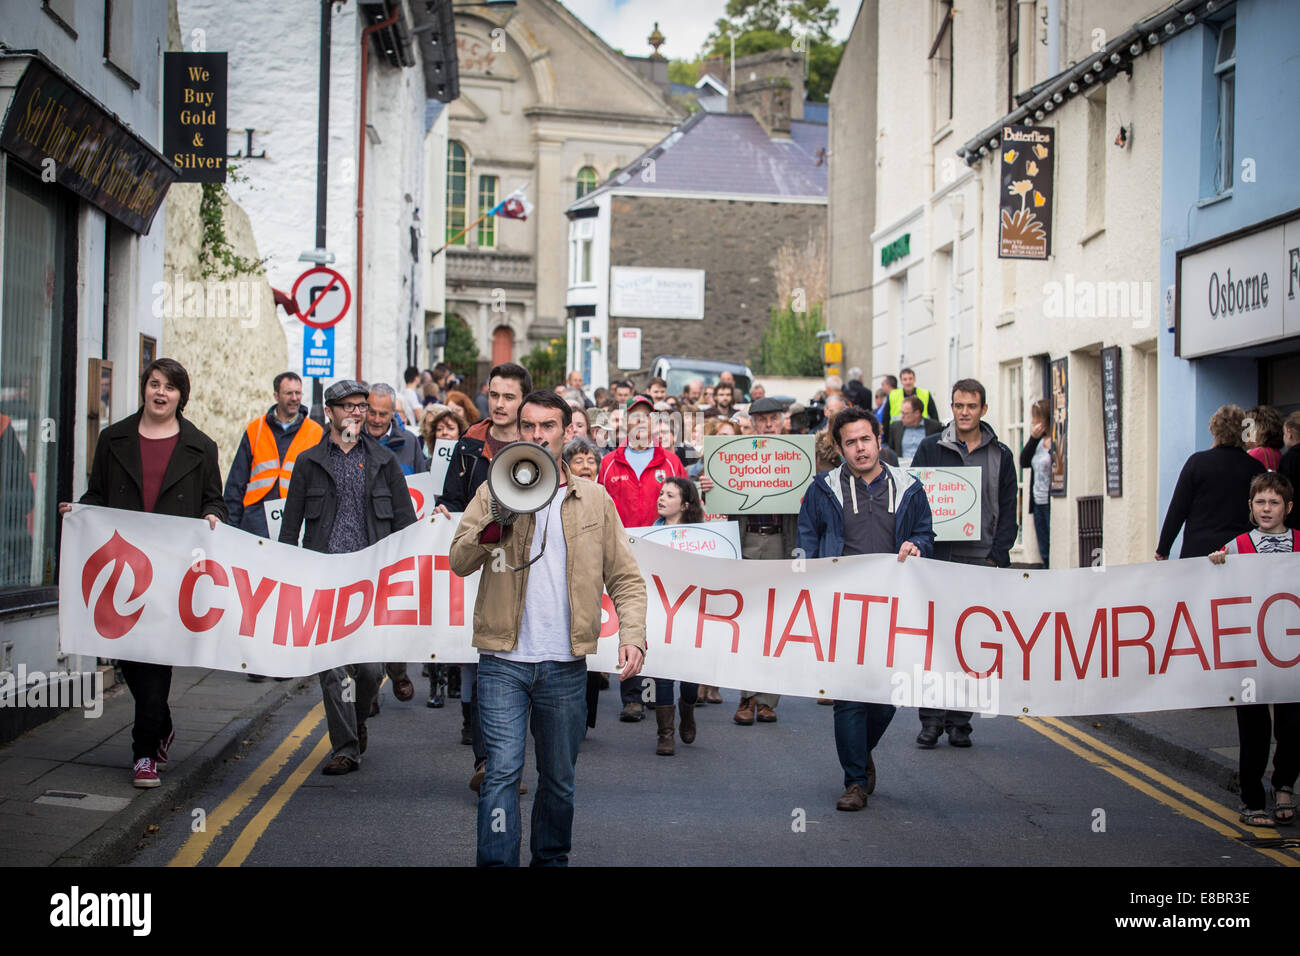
pixel 1230 221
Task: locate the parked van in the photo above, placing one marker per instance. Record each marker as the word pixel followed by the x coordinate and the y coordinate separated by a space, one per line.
pixel 677 371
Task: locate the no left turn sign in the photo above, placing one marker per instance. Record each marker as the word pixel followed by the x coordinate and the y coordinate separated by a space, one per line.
pixel 321 297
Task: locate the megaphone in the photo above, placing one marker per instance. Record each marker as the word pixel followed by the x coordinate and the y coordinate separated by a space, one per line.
pixel 523 477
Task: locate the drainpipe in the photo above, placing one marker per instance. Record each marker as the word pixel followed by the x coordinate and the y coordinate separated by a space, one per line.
pixel 361 166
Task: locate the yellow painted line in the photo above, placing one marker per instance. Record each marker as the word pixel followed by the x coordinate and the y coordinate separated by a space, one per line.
pixel 257 826
pixel 192 851
pixel 1097 760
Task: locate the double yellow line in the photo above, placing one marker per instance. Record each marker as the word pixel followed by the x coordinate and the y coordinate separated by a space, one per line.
pixel 1179 798
pixel 198 844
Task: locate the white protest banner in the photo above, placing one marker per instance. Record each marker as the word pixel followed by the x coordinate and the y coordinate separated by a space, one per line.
pixel 423 488
pixel 442 450
pixel 716 539
pixel 758 474
pixel 955 501
pixel 1117 639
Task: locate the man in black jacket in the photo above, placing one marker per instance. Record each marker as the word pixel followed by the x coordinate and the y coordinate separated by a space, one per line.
pixel 969 441
pixel 350 492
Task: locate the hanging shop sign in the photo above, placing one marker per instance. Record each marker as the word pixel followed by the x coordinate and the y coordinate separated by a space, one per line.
pixel 1025 195
pixel 194 115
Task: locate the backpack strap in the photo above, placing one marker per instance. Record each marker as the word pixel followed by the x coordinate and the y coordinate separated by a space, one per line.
pixel 1245 544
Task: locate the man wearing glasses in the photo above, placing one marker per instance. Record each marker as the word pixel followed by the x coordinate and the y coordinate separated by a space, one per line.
pixel 350 492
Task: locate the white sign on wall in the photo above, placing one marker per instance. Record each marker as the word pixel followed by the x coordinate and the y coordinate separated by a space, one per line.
pixel 629 348
pixel 1240 293
pixel 656 293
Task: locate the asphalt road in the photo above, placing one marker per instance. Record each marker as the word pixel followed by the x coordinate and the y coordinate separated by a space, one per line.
pixel 1028 792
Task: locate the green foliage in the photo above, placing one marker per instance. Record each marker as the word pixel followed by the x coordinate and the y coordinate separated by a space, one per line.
pixel 217 258
pixel 684 71
pixel 546 363
pixel 461 351
pixel 789 347
pixel 762 25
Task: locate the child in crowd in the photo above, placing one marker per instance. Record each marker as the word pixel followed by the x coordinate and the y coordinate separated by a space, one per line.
pixel 1270 502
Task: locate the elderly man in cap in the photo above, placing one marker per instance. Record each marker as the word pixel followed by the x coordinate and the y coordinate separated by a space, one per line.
pixel 633 475
pixel 767 537
pixel 350 493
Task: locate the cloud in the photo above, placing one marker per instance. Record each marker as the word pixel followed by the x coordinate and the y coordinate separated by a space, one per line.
pixel 625 24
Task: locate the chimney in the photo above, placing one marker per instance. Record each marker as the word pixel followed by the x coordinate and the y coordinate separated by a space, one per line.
pixel 769 86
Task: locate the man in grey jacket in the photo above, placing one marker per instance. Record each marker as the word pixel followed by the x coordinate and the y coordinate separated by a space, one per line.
pixel 969 441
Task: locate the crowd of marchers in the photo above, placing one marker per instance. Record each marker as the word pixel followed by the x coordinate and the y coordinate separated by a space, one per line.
pixel 631 457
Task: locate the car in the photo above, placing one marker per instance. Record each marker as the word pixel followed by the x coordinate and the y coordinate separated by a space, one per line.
pixel 677 370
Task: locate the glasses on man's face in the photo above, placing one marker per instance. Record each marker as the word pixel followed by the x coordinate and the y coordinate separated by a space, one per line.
pixel 352 408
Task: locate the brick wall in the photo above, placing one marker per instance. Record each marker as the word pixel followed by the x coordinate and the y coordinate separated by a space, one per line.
pixel 733 242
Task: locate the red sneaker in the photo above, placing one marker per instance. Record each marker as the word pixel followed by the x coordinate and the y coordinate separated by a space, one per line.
pixel 163 748
pixel 145 773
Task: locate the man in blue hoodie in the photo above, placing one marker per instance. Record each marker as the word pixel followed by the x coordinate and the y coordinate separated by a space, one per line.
pixel 862 507
pixel 969 441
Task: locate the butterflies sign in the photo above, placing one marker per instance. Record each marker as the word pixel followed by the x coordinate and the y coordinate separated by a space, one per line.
pixel 1025 197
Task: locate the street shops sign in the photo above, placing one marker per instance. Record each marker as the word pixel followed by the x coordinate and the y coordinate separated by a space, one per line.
pixel 1240 290
pixel 758 474
pixel 1158 636
pixel 194 115
pixel 68 138
pixel 1025 196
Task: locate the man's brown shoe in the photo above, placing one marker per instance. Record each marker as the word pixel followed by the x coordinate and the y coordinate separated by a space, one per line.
pixel 340 765
pixel 745 712
pixel 480 770
pixel 855 798
pixel 664 715
pixel 403 689
pixel 766 714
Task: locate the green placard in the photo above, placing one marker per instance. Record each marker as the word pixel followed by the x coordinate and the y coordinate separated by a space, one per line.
pixel 763 474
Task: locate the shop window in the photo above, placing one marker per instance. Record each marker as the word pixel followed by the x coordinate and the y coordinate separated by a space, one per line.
pixel 31 358
pixel 457 183
pixel 487 198
pixel 118 16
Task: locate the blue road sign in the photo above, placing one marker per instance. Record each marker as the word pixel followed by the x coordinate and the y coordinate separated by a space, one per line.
pixel 318 353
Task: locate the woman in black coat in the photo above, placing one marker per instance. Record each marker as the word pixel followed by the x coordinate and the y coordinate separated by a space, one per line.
pixel 1211 496
pixel 155 461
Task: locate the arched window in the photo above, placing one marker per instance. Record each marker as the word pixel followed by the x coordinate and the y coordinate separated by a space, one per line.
pixel 457 177
pixel 487 198
pixel 586 180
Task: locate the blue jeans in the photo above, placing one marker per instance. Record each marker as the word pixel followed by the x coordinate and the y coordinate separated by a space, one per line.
pixel 556 692
pixel 858 728
pixel 664 692
pixel 1043 531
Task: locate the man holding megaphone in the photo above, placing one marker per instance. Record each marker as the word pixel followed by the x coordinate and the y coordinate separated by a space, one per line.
pixel 549 543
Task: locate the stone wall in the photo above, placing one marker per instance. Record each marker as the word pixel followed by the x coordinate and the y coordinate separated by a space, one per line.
pixel 226 334
pixel 734 243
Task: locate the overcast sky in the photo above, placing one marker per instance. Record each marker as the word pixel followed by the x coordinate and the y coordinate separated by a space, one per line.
pixel 625 24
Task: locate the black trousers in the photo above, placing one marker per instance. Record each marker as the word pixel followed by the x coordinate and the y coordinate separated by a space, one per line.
pixel 1254 733
pixel 149 685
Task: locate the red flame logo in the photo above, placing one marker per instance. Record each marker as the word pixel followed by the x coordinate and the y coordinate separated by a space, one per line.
pixel 122 554
pixel 968 529
pixel 417 500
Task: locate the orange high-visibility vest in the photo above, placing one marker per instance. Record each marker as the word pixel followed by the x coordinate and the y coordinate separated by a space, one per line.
pixel 267 468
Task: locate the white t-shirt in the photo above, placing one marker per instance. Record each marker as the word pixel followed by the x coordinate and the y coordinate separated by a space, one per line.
pixel 544 628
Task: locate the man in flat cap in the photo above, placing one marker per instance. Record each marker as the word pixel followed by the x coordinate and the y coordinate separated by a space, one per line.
pixel 350 492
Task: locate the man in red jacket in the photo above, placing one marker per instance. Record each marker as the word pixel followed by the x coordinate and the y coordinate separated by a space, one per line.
pixel 632 474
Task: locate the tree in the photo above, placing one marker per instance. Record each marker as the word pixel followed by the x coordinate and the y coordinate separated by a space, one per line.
pixel 789 346
pixel 461 351
pixel 545 363
pixel 686 72
pixel 762 25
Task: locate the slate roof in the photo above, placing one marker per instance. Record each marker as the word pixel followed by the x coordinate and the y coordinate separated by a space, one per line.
pixel 728 153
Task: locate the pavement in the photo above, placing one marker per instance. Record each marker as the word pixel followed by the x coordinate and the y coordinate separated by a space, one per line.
pixel 66 797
